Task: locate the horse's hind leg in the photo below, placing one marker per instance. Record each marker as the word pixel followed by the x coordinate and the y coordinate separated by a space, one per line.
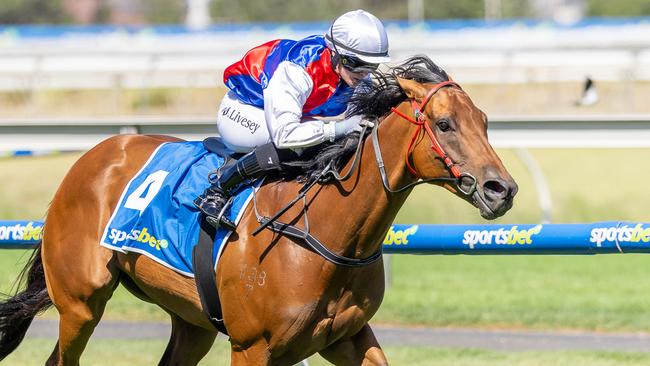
pixel 188 343
pixel 81 278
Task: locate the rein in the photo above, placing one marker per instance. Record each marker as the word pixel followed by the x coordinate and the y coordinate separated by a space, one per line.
pixel 295 232
pixel 420 120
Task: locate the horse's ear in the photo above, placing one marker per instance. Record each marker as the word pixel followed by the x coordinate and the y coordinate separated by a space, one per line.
pixel 413 89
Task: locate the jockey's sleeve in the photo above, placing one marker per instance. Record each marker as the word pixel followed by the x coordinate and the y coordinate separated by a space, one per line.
pixel 284 98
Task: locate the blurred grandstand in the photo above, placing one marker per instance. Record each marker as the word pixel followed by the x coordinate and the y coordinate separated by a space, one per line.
pixel 558 45
pixel 508 51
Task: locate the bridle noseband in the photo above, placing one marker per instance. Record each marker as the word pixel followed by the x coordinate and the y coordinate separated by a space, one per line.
pixel 420 121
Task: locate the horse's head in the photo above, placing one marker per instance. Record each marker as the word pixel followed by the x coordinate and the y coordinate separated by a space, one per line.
pixel 450 119
pixel 448 133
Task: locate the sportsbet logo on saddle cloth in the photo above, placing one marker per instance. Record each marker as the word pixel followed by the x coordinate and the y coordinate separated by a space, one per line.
pixel 155 215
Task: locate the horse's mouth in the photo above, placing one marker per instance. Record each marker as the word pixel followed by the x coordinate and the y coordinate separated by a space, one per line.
pixel 491 211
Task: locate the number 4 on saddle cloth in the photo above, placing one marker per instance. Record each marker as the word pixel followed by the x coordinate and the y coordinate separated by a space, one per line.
pixel 155 215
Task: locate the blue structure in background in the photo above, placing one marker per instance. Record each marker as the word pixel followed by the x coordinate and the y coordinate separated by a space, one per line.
pixel 20 234
pixel 594 238
pixel 60 31
pixel 23 153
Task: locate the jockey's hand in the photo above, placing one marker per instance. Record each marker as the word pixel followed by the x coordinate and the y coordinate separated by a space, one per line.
pixel 347 126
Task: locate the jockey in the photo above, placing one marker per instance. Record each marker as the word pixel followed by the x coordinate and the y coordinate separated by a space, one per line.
pixel 279 88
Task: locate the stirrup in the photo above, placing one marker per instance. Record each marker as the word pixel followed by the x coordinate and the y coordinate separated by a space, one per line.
pixel 221 219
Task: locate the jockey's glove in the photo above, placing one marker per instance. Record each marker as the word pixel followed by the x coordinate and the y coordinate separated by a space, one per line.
pixel 344 127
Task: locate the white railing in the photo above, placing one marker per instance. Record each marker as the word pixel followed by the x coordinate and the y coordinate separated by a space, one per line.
pixel 517 132
pixel 594 131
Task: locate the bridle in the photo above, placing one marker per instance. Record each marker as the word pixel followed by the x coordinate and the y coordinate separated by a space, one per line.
pixel 420 121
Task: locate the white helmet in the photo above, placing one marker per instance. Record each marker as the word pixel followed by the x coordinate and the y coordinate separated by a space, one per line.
pixel 359 34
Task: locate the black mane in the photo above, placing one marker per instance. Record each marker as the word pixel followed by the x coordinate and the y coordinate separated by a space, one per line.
pixel 313 160
pixel 372 99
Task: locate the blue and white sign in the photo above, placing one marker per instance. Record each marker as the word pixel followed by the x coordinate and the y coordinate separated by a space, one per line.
pixel 595 238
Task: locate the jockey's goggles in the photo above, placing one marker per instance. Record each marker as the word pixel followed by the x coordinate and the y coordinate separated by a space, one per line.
pixel 355 64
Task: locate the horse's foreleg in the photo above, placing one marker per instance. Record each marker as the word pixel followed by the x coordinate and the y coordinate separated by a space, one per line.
pixel 360 349
pixel 188 343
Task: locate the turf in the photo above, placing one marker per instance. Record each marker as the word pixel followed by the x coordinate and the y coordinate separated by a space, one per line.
pixel 540 292
pixel 148 352
pixel 594 292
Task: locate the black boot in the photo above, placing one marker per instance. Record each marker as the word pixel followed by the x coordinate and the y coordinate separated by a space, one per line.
pixel 249 167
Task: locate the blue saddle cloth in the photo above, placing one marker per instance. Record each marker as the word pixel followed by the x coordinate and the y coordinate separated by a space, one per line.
pixel 155 215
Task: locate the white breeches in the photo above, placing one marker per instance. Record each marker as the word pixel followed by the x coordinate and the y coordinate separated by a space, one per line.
pixel 241 126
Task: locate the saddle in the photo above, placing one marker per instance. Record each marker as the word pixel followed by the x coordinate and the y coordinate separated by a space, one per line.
pixel 215 145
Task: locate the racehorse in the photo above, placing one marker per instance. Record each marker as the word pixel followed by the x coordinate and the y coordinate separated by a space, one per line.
pixel 281 302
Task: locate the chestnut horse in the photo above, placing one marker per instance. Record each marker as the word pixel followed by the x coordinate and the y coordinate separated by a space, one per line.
pixel 281 302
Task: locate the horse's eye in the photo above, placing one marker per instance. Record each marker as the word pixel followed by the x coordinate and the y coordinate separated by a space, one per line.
pixel 443 125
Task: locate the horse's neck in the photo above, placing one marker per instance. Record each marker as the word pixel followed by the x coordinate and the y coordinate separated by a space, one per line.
pixel 356 221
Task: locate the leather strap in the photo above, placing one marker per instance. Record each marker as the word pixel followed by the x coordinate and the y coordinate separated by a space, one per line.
pixel 205 276
pixel 318 247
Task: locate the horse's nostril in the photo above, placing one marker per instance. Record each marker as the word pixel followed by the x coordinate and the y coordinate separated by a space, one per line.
pixel 495 189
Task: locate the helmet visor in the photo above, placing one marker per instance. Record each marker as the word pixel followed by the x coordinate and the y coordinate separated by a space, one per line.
pixel 355 64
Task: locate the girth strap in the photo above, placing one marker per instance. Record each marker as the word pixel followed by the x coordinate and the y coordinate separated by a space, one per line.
pixel 205 277
pixel 318 247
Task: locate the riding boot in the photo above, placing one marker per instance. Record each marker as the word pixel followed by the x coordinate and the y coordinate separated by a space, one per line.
pixel 247 168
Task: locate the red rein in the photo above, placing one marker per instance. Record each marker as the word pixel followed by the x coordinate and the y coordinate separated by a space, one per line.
pixel 421 122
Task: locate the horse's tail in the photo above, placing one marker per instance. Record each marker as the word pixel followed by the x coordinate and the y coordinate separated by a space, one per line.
pixel 17 312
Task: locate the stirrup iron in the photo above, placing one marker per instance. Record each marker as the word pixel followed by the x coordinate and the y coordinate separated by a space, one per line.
pixel 221 219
